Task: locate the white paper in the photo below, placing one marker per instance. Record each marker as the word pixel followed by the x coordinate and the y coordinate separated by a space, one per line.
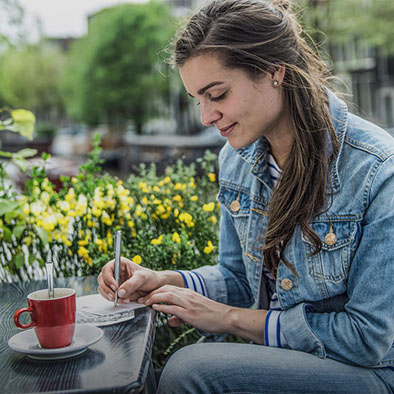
pixel 96 310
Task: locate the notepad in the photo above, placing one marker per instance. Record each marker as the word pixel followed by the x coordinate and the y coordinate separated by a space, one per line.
pixel 95 309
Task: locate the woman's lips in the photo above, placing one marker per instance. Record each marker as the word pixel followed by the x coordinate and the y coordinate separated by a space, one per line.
pixel 225 131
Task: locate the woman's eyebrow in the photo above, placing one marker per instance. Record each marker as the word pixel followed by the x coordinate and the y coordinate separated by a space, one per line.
pixel 205 88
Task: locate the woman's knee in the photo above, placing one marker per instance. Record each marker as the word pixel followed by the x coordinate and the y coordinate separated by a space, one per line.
pixel 188 370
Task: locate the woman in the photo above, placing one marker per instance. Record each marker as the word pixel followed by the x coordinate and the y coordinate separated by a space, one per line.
pixel 306 249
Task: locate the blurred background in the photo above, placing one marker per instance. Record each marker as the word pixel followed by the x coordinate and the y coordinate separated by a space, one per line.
pixel 91 66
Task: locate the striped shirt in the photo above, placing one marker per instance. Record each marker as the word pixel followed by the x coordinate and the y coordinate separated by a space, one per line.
pixel 272 332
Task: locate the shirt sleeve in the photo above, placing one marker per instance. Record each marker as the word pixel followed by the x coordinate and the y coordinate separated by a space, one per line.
pixel 193 281
pixel 272 333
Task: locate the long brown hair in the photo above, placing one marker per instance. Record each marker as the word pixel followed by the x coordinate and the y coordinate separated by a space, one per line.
pixel 258 36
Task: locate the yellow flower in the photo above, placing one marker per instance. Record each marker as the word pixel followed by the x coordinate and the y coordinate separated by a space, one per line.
pixel 212 177
pixel 167 179
pixel 139 210
pixel 209 248
pixel 130 223
pixel 157 241
pixel 45 198
pixel 83 252
pixel 194 198
pixel 208 207
pixel 26 209
pixel 156 189
pixel 70 194
pixel 96 212
pixel 145 200
pixel 36 208
pixel 63 206
pixel 110 238
pixel 186 218
pixel 177 198
pixel 49 222
pixel 137 259
pixel 106 218
pixel 213 219
pixel 176 238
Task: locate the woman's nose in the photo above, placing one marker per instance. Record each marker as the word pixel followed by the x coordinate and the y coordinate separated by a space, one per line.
pixel 209 115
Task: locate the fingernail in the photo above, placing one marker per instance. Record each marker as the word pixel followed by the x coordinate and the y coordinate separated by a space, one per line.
pixel 122 293
pixel 110 297
pixel 126 301
pixel 113 287
pixel 140 300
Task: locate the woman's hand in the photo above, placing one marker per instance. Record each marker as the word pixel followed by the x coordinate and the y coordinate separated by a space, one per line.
pixel 187 306
pixel 134 281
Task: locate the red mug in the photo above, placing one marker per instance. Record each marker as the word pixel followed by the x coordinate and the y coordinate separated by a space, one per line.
pixel 52 318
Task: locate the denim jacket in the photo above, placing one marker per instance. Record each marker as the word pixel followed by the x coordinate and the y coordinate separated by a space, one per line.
pixel 342 304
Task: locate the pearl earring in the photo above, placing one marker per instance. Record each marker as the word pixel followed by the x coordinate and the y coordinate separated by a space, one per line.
pixel 275 83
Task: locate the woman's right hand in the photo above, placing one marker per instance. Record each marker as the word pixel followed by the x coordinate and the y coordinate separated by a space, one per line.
pixel 134 281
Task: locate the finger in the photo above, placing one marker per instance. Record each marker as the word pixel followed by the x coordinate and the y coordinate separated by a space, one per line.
pixel 107 275
pixel 168 294
pixel 174 310
pixel 175 321
pixel 103 289
pixel 132 285
pixel 107 295
pixel 165 297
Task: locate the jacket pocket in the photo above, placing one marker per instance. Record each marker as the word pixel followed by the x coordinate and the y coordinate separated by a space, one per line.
pixel 333 260
pixel 237 202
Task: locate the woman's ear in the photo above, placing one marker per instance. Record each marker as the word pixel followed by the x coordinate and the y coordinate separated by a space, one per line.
pixel 278 75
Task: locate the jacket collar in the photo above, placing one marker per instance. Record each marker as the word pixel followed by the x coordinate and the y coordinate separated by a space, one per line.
pixel 256 153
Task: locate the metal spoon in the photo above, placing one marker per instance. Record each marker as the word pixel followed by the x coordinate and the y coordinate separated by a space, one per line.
pixel 51 292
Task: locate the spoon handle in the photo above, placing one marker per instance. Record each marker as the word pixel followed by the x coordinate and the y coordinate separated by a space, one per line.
pixel 51 292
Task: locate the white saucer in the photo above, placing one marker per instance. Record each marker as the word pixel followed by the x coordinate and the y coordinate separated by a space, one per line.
pixel 27 342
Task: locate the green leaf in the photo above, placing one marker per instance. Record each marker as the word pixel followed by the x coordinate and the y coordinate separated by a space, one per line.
pixel 31 259
pixel 18 230
pixel 42 234
pixel 5 154
pixel 27 152
pixel 18 260
pixel 23 122
pixel 12 214
pixel 21 163
pixel 7 233
pixel 7 206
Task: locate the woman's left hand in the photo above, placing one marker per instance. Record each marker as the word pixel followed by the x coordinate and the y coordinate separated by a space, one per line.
pixel 187 306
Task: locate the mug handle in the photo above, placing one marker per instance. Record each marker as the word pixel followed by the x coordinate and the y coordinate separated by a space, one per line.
pixel 18 323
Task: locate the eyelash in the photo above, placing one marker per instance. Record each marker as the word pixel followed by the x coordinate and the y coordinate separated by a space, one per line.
pixel 221 97
pixel 216 99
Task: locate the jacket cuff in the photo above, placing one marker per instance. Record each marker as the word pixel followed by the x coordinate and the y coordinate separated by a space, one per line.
pixel 298 333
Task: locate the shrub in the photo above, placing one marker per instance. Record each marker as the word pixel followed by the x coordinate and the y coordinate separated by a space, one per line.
pixel 167 222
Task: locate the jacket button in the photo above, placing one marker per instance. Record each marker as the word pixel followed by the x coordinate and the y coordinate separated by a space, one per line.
pixel 286 284
pixel 330 239
pixel 235 206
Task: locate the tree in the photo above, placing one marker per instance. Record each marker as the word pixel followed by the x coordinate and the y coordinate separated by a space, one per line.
pixel 11 23
pixel 29 78
pixel 370 21
pixel 114 73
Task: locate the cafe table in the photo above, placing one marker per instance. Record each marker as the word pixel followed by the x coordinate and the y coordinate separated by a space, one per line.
pixel 120 362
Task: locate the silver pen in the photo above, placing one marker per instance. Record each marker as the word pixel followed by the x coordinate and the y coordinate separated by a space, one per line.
pixel 118 245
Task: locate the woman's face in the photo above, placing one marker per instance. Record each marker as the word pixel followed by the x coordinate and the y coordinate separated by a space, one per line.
pixel 241 109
